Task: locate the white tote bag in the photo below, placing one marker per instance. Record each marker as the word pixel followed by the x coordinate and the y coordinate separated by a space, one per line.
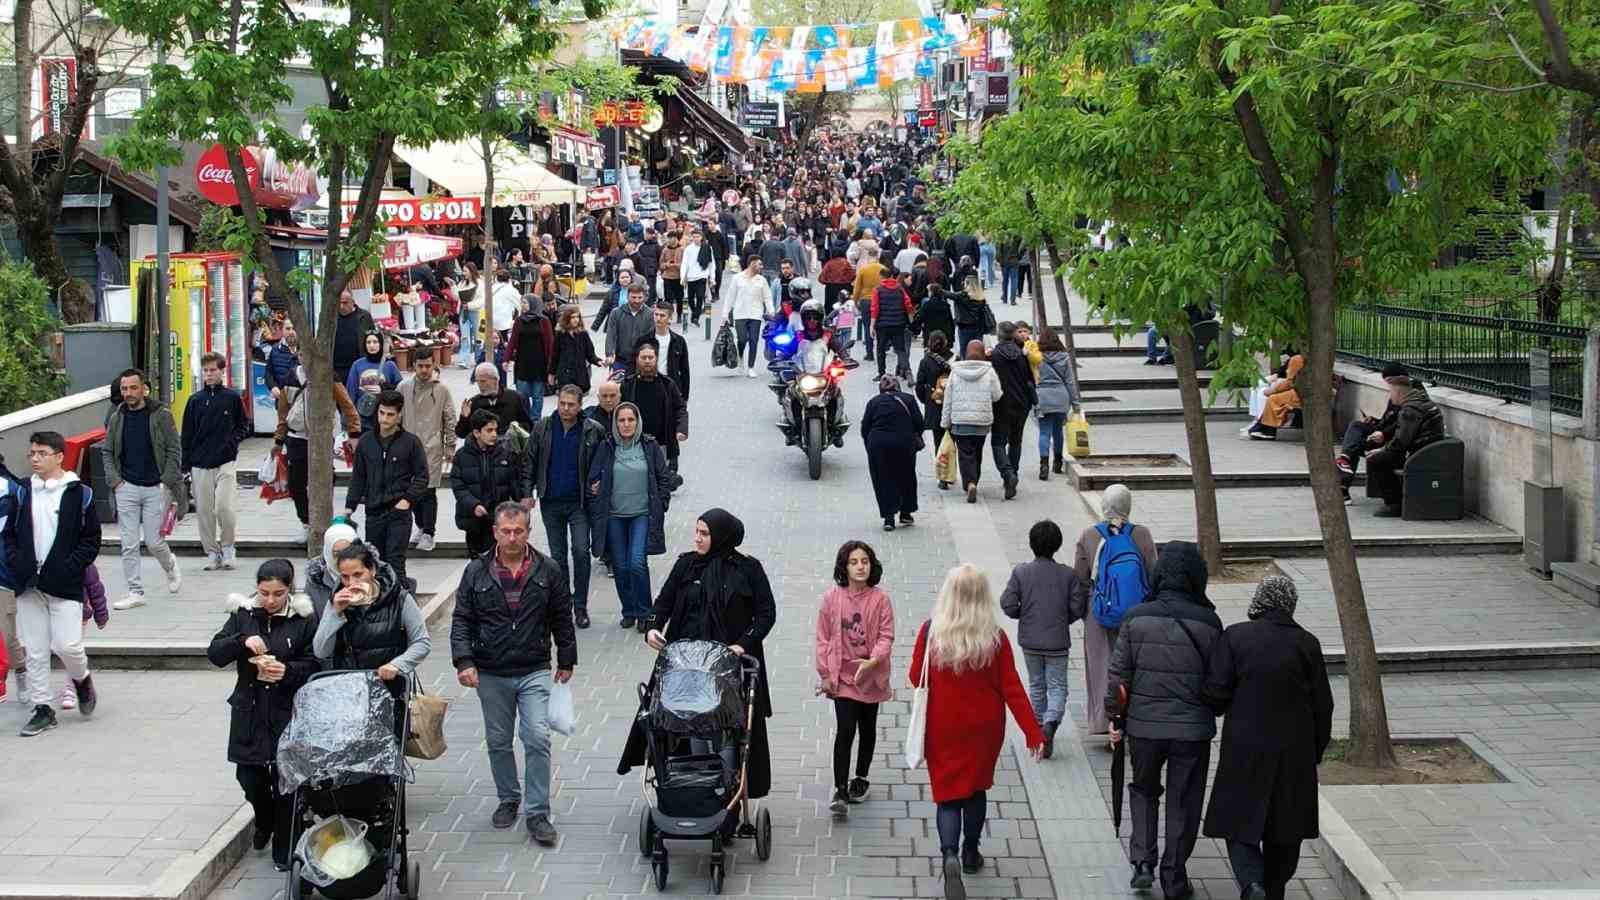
pixel 917 729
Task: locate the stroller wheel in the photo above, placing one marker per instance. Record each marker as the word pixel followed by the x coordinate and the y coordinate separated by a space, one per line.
pixel 763 834
pixel 413 885
pixel 647 832
pixel 298 889
pixel 658 865
pixel 716 877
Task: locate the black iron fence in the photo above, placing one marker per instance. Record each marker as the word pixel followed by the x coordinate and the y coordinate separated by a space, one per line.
pixel 1475 344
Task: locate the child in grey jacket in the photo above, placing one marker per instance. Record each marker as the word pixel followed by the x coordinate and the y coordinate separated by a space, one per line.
pixel 1043 596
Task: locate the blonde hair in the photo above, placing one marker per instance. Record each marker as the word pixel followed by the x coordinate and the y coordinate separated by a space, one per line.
pixel 964 631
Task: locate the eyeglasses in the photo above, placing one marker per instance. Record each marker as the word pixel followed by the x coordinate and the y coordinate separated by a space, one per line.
pixel 43 453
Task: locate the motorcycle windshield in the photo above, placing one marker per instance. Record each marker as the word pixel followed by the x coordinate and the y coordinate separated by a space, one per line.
pixel 813 357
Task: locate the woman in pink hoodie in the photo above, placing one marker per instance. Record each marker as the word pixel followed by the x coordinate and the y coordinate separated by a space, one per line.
pixel 855 636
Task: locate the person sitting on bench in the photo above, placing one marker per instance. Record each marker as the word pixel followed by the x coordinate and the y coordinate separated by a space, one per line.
pixel 1367 434
pixel 1281 402
pixel 1418 423
pixel 1153 354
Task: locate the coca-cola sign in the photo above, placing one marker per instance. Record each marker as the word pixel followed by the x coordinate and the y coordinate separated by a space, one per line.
pixel 214 178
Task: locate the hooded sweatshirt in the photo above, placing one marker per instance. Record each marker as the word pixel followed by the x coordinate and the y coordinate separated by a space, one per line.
pixel 970 396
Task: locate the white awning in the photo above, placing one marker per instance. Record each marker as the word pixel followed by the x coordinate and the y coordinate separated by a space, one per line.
pixel 518 179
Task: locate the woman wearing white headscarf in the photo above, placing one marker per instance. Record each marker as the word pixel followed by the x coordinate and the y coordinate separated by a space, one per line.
pixel 322 574
pixel 1116 503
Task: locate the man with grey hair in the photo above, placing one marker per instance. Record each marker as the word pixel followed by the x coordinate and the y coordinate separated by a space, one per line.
pixel 511 605
pixel 559 451
pixel 628 324
pixel 506 404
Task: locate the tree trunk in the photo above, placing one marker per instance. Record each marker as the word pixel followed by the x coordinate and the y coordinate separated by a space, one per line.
pixel 1063 299
pixel 1369 718
pixel 1207 524
pixel 36 233
pixel 1574 170
pixel 490 251
pixel 1039 315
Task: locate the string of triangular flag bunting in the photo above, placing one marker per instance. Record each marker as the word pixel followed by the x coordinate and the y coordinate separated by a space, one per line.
pixel 808 58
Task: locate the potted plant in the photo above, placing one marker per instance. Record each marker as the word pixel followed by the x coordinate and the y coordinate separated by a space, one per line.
pixel 443 349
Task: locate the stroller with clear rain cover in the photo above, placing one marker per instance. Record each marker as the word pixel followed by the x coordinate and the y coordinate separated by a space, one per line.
pixel 342 757
pixel 696 713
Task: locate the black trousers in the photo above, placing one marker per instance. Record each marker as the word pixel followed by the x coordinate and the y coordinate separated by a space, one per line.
pixel 897 339
pixel 1185 762
pixel 674 295
pixel 273 810
pixel 894 478
pixel 697 299
pixel 1383 472
pixel 389 531
pixel 427 512
pixel 1005 439
pixel 1267 864
pixel 853 718
pixel 297 455
pixel 962 820
pixel 969 456
pixel 480 536
pixel 1355 446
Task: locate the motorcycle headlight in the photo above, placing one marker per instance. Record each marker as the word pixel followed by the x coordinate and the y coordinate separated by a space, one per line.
pixel 811 383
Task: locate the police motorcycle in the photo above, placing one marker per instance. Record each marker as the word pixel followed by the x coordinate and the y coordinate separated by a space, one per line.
pixel 808 361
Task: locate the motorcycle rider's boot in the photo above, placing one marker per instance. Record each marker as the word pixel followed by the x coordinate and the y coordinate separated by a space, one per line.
pixel 1044 468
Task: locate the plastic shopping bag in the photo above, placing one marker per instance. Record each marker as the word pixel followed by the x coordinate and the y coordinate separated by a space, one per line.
pixel 333 849
pixel 276 487
pixel 560 712
pixel 1078 434
pixel 268 469
pixel 944 460
pixel 169 521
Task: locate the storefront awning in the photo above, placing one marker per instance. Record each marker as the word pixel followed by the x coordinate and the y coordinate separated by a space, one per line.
pixel 714 123
pixel 519 180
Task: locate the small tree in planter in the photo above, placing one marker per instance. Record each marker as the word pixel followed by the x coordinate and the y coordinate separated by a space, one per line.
pixel 27 375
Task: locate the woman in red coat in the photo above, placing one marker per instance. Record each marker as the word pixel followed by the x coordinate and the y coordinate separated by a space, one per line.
pixel 972 682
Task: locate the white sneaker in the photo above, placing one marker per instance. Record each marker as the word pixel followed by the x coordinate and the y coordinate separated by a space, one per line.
pixel 132 601
pixel 302 535
pixel 230 557
pixel 416 536
pixel 213 562
pixel 69 697
pixel 174 579
pixel 752 371
pixel 425 543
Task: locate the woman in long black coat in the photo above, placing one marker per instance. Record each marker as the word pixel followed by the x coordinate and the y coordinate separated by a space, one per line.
pixel 716 593
pixel 267 639
pixel 1269 675
pixel 891 426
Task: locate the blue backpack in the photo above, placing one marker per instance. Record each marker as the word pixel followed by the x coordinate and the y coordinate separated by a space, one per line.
pixel 1120 578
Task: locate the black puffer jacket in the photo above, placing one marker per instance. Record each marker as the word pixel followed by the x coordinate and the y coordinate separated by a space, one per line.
pixel 1420 422
pixel 1016 380
pixel 261 710
pixel 486 633
pixel 480 477
pixel 1163 650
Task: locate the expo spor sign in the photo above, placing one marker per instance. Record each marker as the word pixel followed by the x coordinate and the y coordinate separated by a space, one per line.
pixel 630 114
pixel 423 211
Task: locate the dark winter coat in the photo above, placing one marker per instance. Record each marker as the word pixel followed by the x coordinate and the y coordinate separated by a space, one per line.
pixel 1420 422
pixel 929 371
pixel 1268 674
pixel 891 421
pixel 77 543
pixel 575 357
pixel 647 261
pixel 261 710
pixel 1163 667
pixel 507 407
pixel 590 438
pixel 934 315
pixel 486 478
pixel 214 424
pixel 486 633
pixel 672 359
pixel 660 487
pixel 663 421
pixel 1016 379
pixel 969 311
pixel 531 347
pixel 387 470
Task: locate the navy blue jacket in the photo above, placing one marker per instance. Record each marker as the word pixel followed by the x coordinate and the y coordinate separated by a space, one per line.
pixel 60 573
pixel 660 489
pixel 11 494
pixel 214 425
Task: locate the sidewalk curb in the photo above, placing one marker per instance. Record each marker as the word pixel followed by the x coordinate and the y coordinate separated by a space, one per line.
pixel 1355 869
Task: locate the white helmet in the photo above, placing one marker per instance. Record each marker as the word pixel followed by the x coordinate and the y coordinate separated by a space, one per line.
pixel 800 289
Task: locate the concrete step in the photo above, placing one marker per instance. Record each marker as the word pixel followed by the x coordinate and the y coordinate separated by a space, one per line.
pixel 1131 414
pixel 1101 351
pixel 1581 580
pixel 1478 657
pixel 1087 479
pixel 1127 383
pixel 268 548
pixel 1377 545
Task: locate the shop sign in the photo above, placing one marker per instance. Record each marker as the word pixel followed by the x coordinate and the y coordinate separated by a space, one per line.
pixel 603 197
pixel 58 83
pixel 761 115
pixel 999 92
pixel 214 179
pixel 423 211
pixel 647 199
pixel 928 118
pixel 627 114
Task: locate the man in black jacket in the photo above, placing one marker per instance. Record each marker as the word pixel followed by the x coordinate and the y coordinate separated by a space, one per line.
pixel 664 414
pixel 676 348
pixel 647 259
pixel 505 403
pixel 390 476
pixel 512 603
pixel 559 450
pixel 214 424
pixel 485 473
pixel 1162 657
pixel 1011 412
pixel 1417 423
pixel 531 350
pixel 50 590
pixel 350 331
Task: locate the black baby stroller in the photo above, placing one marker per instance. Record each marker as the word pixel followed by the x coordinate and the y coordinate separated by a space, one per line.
pixel 342 759
pixel 696 713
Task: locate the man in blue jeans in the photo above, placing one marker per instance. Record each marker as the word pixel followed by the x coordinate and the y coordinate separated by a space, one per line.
pixel 511 605
pixel 559 450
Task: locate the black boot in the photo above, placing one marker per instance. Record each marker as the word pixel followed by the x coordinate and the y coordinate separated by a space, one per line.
pixel 1044 468
pixel 953 888
pixel 1059 466
pixel 971 859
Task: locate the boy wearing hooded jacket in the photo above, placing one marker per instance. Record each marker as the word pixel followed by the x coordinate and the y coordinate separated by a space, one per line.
pixel 51 540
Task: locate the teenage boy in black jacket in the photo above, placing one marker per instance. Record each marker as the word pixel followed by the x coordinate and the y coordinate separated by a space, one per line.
pixel 50 590
pixel 390 476
pixel 214 424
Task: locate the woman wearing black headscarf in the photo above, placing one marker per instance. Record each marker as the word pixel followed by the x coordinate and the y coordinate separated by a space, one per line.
pixel 891 427
pixel 716 593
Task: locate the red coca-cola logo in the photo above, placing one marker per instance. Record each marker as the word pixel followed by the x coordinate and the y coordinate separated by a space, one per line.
pixel 214 178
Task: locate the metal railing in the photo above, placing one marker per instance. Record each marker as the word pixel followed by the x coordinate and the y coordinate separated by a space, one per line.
pixel 1483 352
